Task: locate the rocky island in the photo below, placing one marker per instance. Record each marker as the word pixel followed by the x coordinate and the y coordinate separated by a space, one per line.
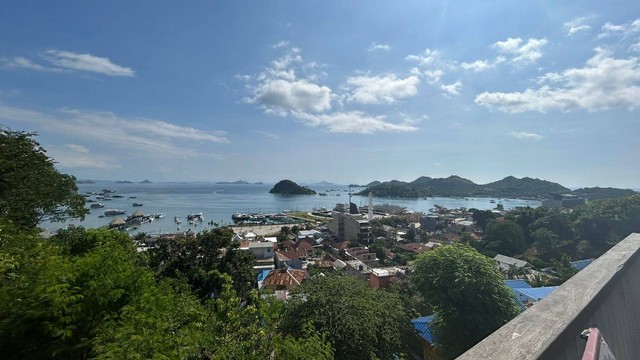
pixel 288 187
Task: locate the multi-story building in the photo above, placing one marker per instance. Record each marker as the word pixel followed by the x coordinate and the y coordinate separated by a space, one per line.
pixel 347 227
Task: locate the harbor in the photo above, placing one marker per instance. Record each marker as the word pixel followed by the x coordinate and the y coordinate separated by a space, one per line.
pixel 219 202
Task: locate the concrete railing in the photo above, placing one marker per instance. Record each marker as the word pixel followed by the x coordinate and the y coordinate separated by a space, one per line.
pixel 606 295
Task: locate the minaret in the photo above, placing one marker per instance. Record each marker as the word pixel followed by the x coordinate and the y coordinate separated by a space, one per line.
pixel 370 207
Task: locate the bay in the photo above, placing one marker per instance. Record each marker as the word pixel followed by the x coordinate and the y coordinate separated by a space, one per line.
pixel 218 202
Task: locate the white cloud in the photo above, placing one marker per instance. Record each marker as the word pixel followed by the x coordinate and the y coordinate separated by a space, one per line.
pixel 278 89
pixel 451 89
pixel 77 148
pixel 76 156
pixel 152 137
pixel 86 62
pixel 635 47
pixel 268 134
pixel 624 30
pixel 604 82
pixel 353 122
pixel 482 65
pixel 428 58
pixel 433 76
pixel 301 95
pixel 577 26
pixel 384 89
pixel 375 47
pixel 20 62
pixel 280 44
pixel 526 135
pixel 521 52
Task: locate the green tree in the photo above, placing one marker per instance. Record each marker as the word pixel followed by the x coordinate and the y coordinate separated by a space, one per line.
pixel 30 186
pixel 202 259
pixel 547 244
pixel 360 322
pixel 482 217
pixel 467 292
pixel 504 237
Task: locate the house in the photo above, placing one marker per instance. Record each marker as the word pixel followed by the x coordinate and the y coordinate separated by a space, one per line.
pixel 292 258
pixel 426 339
pixel 284 279
pixel 262 250
pixel 314 234
pixel 532 295
pixel 380 278
pixel 580 264
pixel 506 262
pixel 417 248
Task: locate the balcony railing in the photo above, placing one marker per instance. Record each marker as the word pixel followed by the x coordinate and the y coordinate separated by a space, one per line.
pixel 605 295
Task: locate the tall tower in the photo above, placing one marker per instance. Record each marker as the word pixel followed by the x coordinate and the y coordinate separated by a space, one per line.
pixel 370 207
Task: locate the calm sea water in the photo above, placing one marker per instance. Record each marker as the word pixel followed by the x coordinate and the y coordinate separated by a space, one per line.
pixel 218 202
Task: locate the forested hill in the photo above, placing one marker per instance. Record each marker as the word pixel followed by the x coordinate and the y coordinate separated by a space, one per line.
pixel 458 186
pixel 597 193
pixel 288 187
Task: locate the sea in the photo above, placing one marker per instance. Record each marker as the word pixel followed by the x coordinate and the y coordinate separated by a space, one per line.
pixel 217 202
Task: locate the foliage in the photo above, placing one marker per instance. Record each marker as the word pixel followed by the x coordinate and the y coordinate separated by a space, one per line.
pixel 360 322
pixel 201 260
pixel 504 237
pixel 457 186
pixel 98 302
pixel 468 295
pixel 30 186
pixel 288 187
pixel 482 217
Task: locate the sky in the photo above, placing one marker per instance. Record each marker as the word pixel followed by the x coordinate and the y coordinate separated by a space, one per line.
pixel 341 91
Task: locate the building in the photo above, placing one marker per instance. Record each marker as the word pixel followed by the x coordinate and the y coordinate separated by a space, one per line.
pixel 506 262
pixel 381 278
pixel 426 338
pixel 348 227
pixel 284 279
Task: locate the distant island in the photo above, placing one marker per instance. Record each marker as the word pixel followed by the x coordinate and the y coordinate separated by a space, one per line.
pixel 124 182
pixel 288 187
pixel 85 182
pixel 457 186
pixel 597 193
pixel 145 182
pixel 237 182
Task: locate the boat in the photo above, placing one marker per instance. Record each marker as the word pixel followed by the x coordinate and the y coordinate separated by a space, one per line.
pixel 159 215
pixel 240 217
pixel 137 204
pixel 117 196
pixel 111 212
pixel 96 205
pixel 197 216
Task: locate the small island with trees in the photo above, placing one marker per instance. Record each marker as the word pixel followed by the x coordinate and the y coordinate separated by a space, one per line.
pixel 288 187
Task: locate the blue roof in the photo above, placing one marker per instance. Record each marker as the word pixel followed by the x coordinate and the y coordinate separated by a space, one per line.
pixel 517 284
pixel 580 264
pixel 421 324
pixel 537 293
pixel 263 274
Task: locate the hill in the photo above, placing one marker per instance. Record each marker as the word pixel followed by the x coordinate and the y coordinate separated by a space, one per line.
pixel 458 186
pixel 597 193
pixel 288 187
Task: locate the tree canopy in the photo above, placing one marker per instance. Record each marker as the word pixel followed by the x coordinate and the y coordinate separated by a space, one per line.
pixel 467 292
pixel 360 322
pixel 30 186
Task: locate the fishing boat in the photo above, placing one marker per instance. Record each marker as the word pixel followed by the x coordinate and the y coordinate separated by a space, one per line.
pixel 96 205
pixel 137 204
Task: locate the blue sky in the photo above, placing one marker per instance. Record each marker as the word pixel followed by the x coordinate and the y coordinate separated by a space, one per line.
pixel 348 92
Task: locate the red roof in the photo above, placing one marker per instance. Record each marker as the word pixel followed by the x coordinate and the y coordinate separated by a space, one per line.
pixel 285 276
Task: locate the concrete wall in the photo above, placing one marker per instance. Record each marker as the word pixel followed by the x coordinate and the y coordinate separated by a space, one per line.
pixel 606 294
